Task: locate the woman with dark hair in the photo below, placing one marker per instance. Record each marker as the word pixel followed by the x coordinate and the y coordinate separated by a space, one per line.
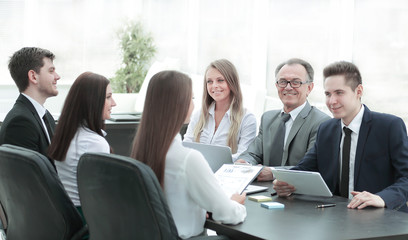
pixel 222 119
pixel 80 127
pixel 185 176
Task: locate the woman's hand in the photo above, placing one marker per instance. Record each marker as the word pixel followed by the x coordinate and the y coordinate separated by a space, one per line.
pixel 239 198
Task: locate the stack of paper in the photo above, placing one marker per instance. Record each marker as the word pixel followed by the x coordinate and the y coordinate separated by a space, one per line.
pixel 272 205
pixel 260 198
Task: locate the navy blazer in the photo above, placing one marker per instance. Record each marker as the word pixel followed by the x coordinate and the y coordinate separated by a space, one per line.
pixel 23 127
pixel 381 162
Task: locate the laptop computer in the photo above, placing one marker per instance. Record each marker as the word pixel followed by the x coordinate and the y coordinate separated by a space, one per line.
pixel 215 155
pixel 126 117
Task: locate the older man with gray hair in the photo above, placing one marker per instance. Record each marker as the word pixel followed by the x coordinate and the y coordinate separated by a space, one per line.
pixel 286 135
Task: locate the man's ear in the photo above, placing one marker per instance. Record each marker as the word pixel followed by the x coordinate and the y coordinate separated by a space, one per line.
pixel 359 90
pixel 32 77
pixel 309 88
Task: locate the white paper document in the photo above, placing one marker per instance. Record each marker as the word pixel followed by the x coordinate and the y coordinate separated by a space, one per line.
pixel 234 178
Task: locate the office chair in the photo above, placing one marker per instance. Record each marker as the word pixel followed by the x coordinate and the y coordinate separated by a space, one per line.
pixel 3 222
pixel 35 202
pixel 121 198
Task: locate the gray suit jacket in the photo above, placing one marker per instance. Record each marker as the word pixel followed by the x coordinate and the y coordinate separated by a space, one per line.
pixel 301 137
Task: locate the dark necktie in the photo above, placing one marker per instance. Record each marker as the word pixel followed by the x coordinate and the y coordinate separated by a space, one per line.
pixel 47 124
pixel 345 163
pixel 279 139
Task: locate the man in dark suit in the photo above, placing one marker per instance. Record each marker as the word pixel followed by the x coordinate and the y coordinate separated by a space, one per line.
pixel 29 124
pixel 361 154
pixel 285 143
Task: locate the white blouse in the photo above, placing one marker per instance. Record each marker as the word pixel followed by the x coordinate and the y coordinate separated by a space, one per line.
pixel 246 134
pixel 85 140
pixel 191 189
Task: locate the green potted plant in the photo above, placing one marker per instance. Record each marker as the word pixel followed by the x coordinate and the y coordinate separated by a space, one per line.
pixel 137 50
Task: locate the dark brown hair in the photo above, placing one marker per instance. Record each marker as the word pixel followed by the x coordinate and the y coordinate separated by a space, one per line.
pixel 346 69
pixel 24 60
pixel 166 107
pixel 83 107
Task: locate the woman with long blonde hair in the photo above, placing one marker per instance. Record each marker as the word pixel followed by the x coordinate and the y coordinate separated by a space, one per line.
pixel 222 119
pixel 189 184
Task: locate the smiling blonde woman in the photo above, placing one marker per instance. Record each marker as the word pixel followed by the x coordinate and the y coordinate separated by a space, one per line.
pixel 222 119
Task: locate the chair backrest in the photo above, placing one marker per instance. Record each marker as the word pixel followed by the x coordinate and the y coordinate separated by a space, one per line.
pixel 34 200
pixel 3 220
pixel 121 198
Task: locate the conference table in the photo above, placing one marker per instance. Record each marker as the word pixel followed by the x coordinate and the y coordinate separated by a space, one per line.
pixel 300 219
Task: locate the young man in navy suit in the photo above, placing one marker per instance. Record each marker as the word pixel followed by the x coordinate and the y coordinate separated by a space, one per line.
pixel 375 172
pixel 33 71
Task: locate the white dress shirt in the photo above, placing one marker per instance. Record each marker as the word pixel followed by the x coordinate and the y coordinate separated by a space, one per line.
pixel 247 130
pixel 85 140
pixel 293 114
pixel 191 189
pixel 354 126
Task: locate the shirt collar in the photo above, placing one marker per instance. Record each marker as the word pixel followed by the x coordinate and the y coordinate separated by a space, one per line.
pixel 89 130
pixel 295 112
pixel 177 139
pixel 38 107
pixel 356 122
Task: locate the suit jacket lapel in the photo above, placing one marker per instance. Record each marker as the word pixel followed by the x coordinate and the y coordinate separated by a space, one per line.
pixel 362 139
pixel 337 133
pixel 269 144
pixel 297 124
pixel 30 106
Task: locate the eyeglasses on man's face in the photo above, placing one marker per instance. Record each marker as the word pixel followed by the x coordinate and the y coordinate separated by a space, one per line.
pixel 294 83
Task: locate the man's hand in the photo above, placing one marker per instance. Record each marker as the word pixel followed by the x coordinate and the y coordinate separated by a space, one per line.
pixel 241 161
pixel 265 175
pixel 363 199
pixel 283 189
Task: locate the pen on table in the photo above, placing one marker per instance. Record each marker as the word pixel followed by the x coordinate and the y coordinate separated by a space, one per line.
pixel 274 193
pixel 326 205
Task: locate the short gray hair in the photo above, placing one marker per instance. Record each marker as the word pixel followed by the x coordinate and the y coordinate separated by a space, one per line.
pixel 292 61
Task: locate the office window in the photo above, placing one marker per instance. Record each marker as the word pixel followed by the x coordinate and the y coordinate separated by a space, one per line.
pixel 256 35
pixel 380 48
pixel 82 34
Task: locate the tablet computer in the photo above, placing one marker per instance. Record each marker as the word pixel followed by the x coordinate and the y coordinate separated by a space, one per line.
pixel 308 183
pixel 250 189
